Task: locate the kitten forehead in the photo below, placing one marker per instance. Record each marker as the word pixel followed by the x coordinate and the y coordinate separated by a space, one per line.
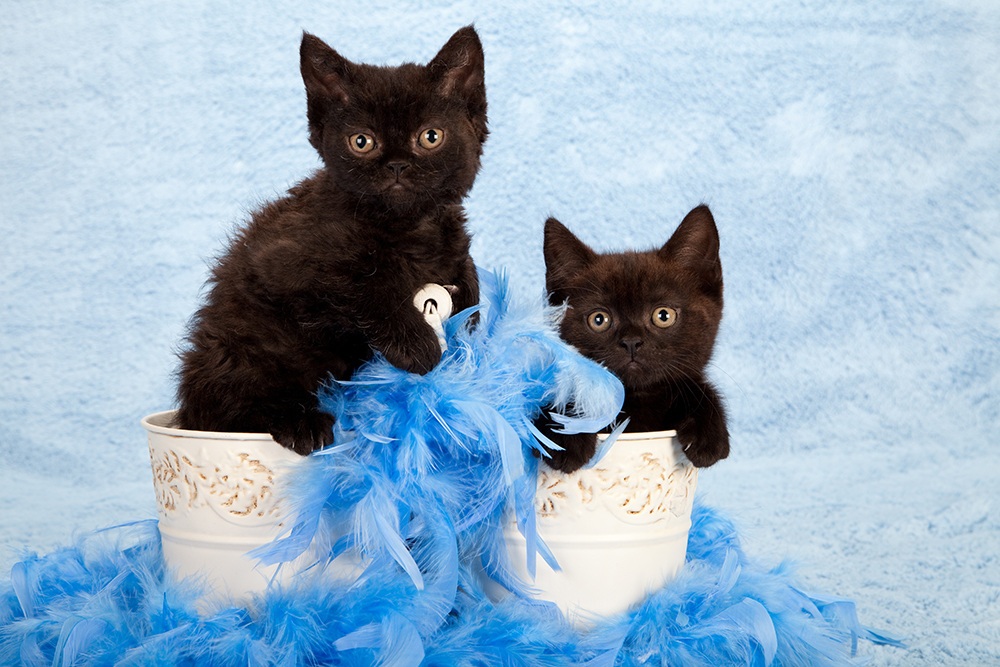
pixel 629 283
pixel 638 272
pixel 405 81
pixel 394 95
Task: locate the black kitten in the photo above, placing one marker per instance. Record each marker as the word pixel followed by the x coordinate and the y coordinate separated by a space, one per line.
pixel 320 278
pixel 651 319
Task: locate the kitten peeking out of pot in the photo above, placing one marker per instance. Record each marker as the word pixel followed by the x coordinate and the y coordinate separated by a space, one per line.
pixel 651 319
pixel 321 278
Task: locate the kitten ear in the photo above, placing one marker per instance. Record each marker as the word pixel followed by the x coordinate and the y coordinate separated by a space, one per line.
pixel 458 69
pixel 565 257
pixel 323 69
pixel 323 72
pixel 695 245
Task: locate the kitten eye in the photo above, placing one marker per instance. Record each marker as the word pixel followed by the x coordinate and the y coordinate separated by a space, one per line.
pixel 599 320
pixel 431 138
pixel 361 143
pixel 664 317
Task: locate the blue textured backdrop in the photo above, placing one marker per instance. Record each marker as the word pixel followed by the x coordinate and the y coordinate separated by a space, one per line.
pixel 849 151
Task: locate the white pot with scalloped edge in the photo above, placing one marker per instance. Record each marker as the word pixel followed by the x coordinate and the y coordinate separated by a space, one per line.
pixel 216 500
pixel 216 496
pixel 618 530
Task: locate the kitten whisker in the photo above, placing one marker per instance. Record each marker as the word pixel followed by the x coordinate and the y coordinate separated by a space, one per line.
pixel 730 376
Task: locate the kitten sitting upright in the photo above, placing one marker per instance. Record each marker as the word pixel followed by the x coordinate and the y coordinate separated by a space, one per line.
pixel 322 277
pixel 651 319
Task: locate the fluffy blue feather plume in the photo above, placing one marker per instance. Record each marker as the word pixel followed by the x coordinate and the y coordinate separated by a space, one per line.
pixel 452 448
pixel 421 475
pixel 103 602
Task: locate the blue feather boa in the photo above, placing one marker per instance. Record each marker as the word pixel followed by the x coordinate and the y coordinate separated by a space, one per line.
pixel 107 601
pixel 421 475
pixel 438 459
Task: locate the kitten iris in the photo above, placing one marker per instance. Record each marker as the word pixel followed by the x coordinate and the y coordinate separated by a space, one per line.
pixel 664 316
pixel 431 138
pixel 599 320
pixel 362 143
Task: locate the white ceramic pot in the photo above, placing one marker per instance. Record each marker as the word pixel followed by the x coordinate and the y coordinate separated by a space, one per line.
pixel 216 501
pixel 618 530
pixel 215 497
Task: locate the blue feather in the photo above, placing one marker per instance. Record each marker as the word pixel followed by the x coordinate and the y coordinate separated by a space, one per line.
pixel 455 323
pixel 749 618
pixel 394 639
pixel 508 443
pixel 368 636
pixel 19 582
pixel 401 643
pixel 604 447
pixel 31 654
pixel 75 637
pixel 436 549
pixel 524 508
pixel 375 510
pixel 543 439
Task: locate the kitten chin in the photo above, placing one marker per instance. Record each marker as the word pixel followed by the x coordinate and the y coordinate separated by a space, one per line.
pixel 651 318
pixel 321 278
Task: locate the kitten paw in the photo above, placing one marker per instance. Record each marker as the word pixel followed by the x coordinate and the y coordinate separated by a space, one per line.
pixel 420 356
pixel 704 445
pixel 578 449
pixel 306 434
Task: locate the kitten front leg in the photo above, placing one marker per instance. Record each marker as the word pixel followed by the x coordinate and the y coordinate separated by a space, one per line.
pixel 577 448
pixel 467 287
pixel 229 389
pixel 703 431
pixel 402 334
pixel 406 339
pixel 303 428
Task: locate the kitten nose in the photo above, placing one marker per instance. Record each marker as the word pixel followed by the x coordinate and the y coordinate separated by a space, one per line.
pixel 631 344
pixel 397 167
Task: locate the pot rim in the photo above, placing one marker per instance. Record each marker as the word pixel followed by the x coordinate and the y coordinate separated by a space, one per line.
pixel 158 423
pixel 641 435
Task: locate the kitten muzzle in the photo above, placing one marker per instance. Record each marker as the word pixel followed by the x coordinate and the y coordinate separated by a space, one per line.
pixel 631 344
pixel 397 168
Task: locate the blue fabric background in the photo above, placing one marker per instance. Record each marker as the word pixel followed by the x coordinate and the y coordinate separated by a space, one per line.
pixel 850 152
